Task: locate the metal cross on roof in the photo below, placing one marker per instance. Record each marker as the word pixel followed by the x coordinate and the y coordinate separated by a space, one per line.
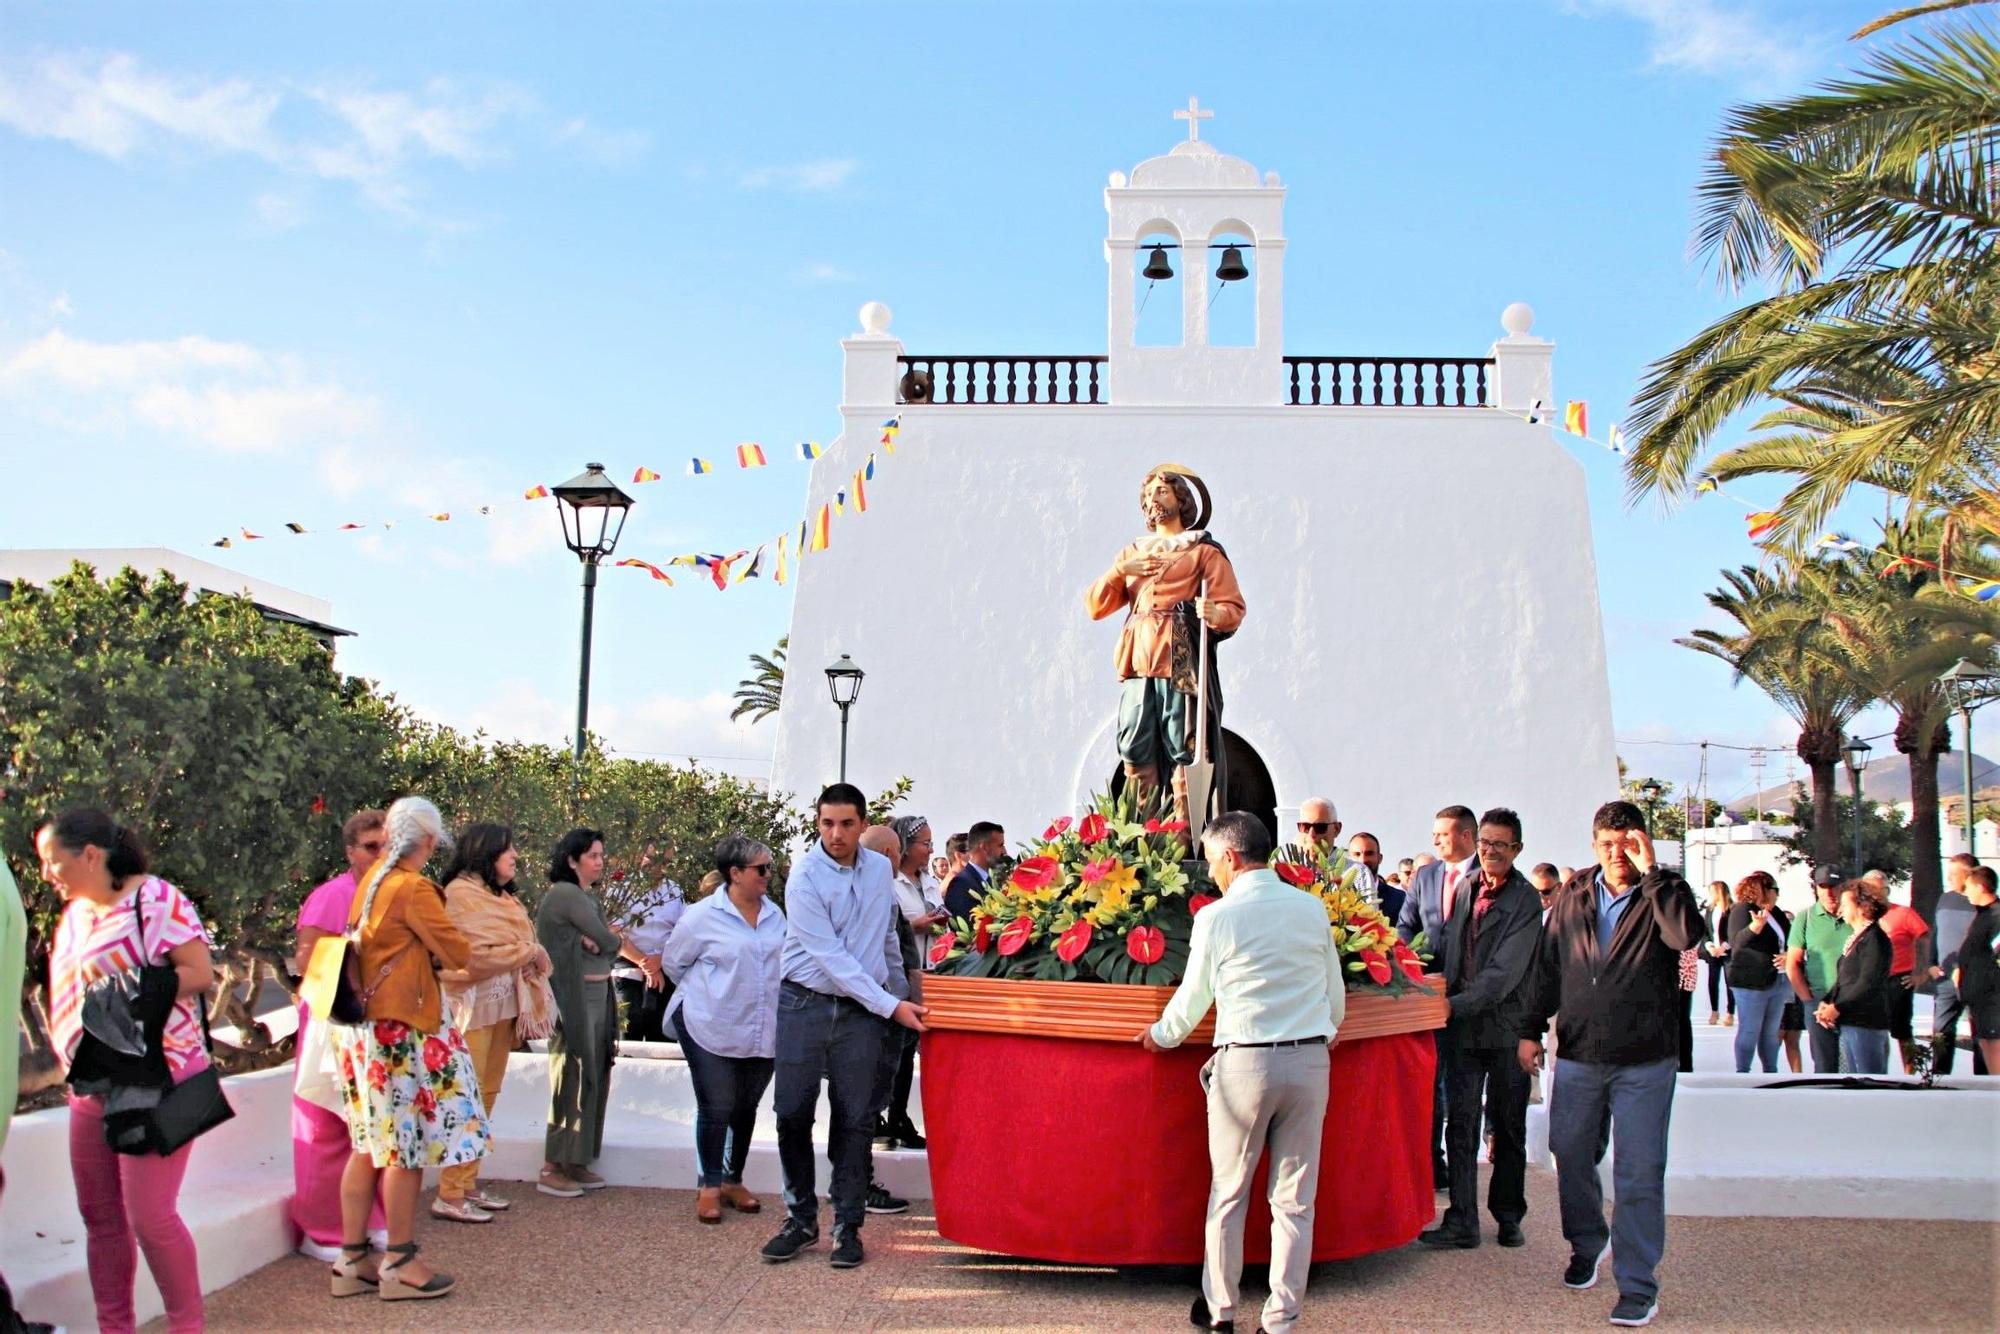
pixel 1194 116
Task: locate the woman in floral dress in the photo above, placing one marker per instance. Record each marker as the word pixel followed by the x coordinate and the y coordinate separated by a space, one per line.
pixel 412 1096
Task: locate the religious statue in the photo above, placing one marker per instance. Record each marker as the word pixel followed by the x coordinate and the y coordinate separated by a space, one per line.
pixel 1172 581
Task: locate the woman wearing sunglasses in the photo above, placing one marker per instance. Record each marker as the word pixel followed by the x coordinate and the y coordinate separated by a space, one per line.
pixel 724 962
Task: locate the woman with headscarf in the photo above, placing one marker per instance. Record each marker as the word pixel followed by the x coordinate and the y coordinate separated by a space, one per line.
pixel 582 949
pixel 499 998
pixel 411 1092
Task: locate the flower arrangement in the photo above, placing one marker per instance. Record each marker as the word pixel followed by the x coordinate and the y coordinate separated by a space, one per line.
pixel 1108 898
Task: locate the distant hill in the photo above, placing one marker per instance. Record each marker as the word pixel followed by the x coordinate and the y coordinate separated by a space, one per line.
pixel 1886 780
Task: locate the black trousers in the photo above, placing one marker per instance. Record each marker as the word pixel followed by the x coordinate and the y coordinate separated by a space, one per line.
pixel 645 1009
pixel 1440 1168
pixel 1947 1010
pixel 1718 985
pixel 1492 1078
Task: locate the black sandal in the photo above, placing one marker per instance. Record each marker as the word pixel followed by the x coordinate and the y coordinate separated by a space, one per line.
pixel 348 1280
pixel 396 1290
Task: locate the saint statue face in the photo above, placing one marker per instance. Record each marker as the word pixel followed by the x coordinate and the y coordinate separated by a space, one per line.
pixel 1165 496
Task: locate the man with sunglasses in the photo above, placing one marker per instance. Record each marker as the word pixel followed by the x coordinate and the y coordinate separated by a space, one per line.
pixel 1489 943
pixel 1319 830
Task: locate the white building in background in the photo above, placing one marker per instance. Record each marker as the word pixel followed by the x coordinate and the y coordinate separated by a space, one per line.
pixel 1423 623
pixel 38 566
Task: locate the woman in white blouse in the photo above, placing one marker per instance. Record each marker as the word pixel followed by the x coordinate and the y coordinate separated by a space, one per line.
pixel 724 962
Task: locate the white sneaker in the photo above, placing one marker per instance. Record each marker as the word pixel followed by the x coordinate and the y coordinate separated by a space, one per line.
pixel 313 1250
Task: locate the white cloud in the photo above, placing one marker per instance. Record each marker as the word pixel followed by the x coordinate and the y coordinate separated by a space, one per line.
pixel 372 139
pixel 823 272
pixel 227 396
pixel 60 307
pixel 281 210
pixel 804 177
pixel 1738 42
pixel 607 148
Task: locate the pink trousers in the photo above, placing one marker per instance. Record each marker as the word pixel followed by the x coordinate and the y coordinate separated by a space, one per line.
pixel 130 1202
pixel 320 1147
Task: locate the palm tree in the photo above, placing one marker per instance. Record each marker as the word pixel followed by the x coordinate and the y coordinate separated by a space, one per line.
pixel 758 695
pixel 1873 206
pixel 1774 648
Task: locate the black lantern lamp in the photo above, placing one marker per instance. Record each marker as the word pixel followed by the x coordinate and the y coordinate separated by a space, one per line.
pixel 592 510
pixel 843 681
pixel 1857 764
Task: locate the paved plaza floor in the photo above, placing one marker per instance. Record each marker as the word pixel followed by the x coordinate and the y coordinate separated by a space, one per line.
pixel 624 1259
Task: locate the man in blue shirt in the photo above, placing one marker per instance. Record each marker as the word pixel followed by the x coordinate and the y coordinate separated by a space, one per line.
pixel 834 1009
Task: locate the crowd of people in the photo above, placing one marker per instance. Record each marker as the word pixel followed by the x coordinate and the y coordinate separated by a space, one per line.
pixel 455 974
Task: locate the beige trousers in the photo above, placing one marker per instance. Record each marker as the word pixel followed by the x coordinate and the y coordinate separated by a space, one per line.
pixel 489 1046
pixel 1259 1097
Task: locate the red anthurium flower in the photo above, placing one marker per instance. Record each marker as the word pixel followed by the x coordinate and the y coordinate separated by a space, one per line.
pixel 1056 830
pixel 1173 827
pixel 1200 901
pixel 1095 871
pixel 1034 872
pixel 982 939
pixel 1094 828
pixel 1146 944
pixel 1403 951
pixel 1071 944
pixel 1015 938
pixel 1153 826
pixel 941 947
pixel 1412 966
pixel 1294 874
pixel 1378 965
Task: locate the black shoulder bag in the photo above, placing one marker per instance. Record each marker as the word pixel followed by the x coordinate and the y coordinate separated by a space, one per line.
pixel 185 1110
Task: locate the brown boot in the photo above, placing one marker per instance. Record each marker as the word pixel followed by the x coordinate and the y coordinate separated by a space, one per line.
pixel 1141 780
pixel 739 1199
pixel 708 1205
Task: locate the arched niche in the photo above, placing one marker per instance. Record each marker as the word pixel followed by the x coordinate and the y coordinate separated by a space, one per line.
pixel 1157 305
pixel 1232 307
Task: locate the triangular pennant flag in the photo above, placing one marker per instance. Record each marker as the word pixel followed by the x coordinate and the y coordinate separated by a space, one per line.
pixel 1985 592
pixel 889 430
pixel 754 569
pixel 650 568
pixel 869 471
pixel 1576 418
pixel 700 467
pixel 1535 413
pixel 1835 542
pixel 718 569
pixel 809 450
pixel 1614 439
pixel 486 509
pixel 778 574
pixel 645 475
pixel 802 538
pixel 350 527
pixel 249 536
pixel 822 534
pixel 536 492
pixel 840 502
pixel 295 528
pixel 224 542
pixel 1707 484
pixel 695 561
pixel 860 494
pixel 1761 523
pixel 749 456
pixel 440 518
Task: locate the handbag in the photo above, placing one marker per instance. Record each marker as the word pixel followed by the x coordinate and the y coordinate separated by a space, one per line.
pixel 185 1110
pixel 332 989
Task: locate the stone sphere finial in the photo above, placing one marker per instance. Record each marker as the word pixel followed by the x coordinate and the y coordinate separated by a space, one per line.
pixel 1517 319
pixel 875 318
pixel 1118 180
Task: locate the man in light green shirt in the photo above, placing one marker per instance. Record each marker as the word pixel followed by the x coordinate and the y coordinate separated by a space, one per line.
pixel 13 960
pixel 1264 958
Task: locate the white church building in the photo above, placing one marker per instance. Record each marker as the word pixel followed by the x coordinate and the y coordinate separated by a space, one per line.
pixel 1423 624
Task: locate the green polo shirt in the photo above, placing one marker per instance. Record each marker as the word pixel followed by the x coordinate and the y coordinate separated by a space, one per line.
pixel 13 947
pixel 1822 935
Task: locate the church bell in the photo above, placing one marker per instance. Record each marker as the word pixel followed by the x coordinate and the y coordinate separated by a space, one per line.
pixel 1157 269
pixel 1232 268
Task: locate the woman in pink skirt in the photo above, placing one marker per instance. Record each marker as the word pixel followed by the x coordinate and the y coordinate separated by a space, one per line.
pixel 319 1131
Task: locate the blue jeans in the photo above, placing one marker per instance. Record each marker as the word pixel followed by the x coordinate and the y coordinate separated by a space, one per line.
pixel 1757 1016
pixel 833 1040
pixel 727 1090
pixel 1640 1099
pixel 1864 1051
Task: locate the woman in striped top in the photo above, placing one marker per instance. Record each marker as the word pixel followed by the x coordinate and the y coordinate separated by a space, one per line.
pixel 118 918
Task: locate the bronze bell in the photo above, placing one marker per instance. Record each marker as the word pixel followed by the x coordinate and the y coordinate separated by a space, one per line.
pixel 1157 269
pixel 1232 268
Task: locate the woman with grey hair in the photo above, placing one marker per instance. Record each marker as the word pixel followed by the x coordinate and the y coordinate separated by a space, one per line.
pixel 406 1078
pixel 724 960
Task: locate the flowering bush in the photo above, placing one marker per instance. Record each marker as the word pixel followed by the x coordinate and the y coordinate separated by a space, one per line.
pixel 1107 898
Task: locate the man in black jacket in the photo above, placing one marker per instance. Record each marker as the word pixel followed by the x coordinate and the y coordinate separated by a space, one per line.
pixel 1489 943
pixel 1609 968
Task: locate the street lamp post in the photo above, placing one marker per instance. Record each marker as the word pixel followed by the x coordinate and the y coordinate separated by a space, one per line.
pixel 1969 686
pixel 1857 761
pixel 1650 793
pixel 843 679
pixel 592 510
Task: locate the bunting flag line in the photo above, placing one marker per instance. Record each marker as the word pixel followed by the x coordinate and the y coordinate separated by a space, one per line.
pixel 645 475
pixel 634 563
pixel 700 467
pixel 1762 522
pixel 1576 418
pixel 750 456
pixel 536 492
pixel 809 450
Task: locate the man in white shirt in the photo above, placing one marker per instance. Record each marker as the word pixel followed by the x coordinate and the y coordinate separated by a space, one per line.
pixel 1264 957
pixel 643 987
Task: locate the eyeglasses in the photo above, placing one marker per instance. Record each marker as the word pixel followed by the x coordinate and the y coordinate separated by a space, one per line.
pixel 1314 826
pixel 1489 845
pixel 372 847
pixel 761 868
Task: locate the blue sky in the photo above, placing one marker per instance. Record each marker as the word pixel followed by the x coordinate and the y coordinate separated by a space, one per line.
pixel 363 262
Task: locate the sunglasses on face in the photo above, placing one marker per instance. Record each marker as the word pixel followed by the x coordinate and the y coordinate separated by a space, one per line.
pixel 761 868
pixel 1314 826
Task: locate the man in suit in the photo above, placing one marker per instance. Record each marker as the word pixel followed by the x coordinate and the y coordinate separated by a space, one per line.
pixel 985 842
pixel 1366 850
pixel 1489 943
pixel 1428 901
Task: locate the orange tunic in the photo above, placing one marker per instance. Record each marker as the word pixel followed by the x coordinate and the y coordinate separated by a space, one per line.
pixel 1146 644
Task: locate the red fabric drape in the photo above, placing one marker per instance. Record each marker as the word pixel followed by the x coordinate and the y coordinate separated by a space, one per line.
pixel 1097 1152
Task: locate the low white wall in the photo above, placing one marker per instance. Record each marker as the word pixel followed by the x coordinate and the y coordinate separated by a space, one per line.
pixel 239 1179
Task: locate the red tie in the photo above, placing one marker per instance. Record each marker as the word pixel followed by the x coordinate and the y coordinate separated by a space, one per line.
pixel 1450 890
